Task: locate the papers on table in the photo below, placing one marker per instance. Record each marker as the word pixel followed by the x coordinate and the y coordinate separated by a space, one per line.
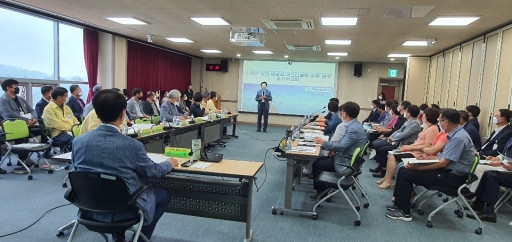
pixel 484 162
pixel 305 149
pixel 157 158
pixel 397 151
pixel 315 127
pixel 310 136
pixel 307 143
pixel 200 164
pixel 415 161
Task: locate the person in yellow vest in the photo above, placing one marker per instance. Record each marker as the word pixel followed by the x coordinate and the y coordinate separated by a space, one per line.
pixel 59 118
pixel 210 105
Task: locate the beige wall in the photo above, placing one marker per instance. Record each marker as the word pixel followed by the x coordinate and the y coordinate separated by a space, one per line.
pixel 417 79
pixel 476 72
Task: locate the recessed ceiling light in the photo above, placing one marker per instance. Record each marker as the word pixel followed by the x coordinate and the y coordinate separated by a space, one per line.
pixel 210 21
pixel 415 43
pixel 286 56
pixel 338 42
pixel 399 55
pixel 238 55
pixel 179 40
pixel 337 57
pixel 392 59
pixel 127 21
pixel 338 53
pixel 453 21
pixel 262 52
pixel 339 21
pixel 211 51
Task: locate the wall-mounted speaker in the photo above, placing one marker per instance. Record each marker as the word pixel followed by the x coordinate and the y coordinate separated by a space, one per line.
pixel 358 69
pixel 224 65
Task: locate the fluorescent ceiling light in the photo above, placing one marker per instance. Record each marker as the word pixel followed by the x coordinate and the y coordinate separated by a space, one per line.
pixel 415 43
pixel 238 55
pixel 392 59
pixel 338 53
pixel 179 40
pixel 338 42
pixel 211 51
pixel 453 21
pixel 210 21
pixel 339 21
pixel 399 55
pixel 262 52
pixel 127 21
pixel 286 56
pixel 337 57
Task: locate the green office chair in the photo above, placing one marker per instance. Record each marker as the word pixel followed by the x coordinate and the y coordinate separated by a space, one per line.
pixel 16 130
pixel 341 182
pixel 75 130
pixel 155 120
pixel 143 121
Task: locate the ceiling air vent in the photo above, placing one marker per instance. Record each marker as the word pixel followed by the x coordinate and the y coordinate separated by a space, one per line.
pixel 289 24
pixel 304 47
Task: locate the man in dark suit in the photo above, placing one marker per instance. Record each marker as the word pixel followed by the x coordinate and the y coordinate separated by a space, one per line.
pixel 263 97
pixel 47 96
pixel 473 133
pixel 473 112
pixel 500 136
pixel 75 102
pixel 149 106
pixel 374 114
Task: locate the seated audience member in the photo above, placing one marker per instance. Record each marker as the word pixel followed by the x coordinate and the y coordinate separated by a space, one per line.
pixel 165 97
pixel 406 135
pixel 488 192
pixel 126 94
pixel 354 138
pixel 75 102
pixel 383 115
pixel 473 112
pixel 206 98
pixel 433 105
pixel 473 133
pixel 92 122
pixel 500 136
pixel 59 118
pixel 374 114
pixel 134 108
pixel 89 106
pixel 107 150
pixel 183 105
pixel 422 109
pixel 381 129
pixel 389 114
pixel 328 116
pixel 210 105
pixel 425 140
pixel 195 108
pixel 335 119
pixel 149 106
pixel 385 133
pixel 169 110
pixel 46 91
pixel 451 171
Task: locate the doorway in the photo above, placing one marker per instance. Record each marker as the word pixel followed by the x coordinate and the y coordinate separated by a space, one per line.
pixel 392 88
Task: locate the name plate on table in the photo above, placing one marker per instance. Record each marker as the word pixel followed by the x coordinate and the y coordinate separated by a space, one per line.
pixel 158 129
pixel 176 152
pixel 145 132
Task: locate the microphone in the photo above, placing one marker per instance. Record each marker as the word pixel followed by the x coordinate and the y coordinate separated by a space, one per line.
pixel 315 116
pixel 229 111
pixel 319 110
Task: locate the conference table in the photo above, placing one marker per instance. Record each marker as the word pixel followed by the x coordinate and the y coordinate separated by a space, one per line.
pixel 211 190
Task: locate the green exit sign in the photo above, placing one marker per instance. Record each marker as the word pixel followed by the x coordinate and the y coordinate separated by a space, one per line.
pixel 392 72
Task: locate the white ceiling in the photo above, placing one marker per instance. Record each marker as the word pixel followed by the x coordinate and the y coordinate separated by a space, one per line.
pixel 373 38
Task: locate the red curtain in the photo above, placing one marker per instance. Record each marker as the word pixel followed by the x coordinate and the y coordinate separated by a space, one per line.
pixel 151 68
pixel 91 49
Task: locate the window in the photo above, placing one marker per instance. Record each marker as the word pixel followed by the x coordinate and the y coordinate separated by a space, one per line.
pixel 26 44
pixel 71 54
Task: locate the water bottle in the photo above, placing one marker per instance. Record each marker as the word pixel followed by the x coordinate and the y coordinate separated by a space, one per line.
pixel 164 123
pixel 292 128
pixel 125 129
pixel 192 117
pixel 289 144
pixel 297 134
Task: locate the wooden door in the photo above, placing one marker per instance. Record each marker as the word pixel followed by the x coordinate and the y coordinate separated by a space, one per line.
pixel 389 91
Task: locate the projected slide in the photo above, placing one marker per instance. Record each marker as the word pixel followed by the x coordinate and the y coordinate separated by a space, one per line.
pixel 301 88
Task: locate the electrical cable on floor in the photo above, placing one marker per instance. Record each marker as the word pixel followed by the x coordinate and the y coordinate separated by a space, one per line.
pixel 47 211
pixel 265 168
pixel 257 139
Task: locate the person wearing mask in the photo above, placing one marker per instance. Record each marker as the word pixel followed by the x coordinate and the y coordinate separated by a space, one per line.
pixel 165 97
pixel 263 97
pixel 107 150
pixel 126 94
pixel 210 104
pixel 383 115
pixel 500 136
pixel 149 106
pixel 89 106
pixel 382 98
pixel 473 133
pixel 335 119
pixel 134 107
pixel 206 97
pixel 328 116
pixel 92 122
pixel 422 109
pixel 195 108
pixel 59 118
pixel 75 102
pixel 374 114
pixel 354 138
pixel 183 108
pixel 46 91
pixel 189 93
pixel 169 110
pixel 451 171
pixel 473 112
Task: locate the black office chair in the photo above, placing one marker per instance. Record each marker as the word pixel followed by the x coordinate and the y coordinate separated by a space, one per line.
pixel 104 193
pixel 341 182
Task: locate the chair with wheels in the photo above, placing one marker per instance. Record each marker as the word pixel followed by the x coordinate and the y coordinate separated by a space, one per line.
pixel 455 196
pixel 142 121
pixel 341 182
pixel 155 120
pixel 94 192
pixel 16 130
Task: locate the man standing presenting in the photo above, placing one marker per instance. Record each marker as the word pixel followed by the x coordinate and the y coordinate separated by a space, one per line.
pixel 263 97
pixel 75 102
pixel 107 150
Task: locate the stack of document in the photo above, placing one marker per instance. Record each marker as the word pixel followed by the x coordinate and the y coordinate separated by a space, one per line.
pixel 305 149
pixel 311 136
pixel 415 161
